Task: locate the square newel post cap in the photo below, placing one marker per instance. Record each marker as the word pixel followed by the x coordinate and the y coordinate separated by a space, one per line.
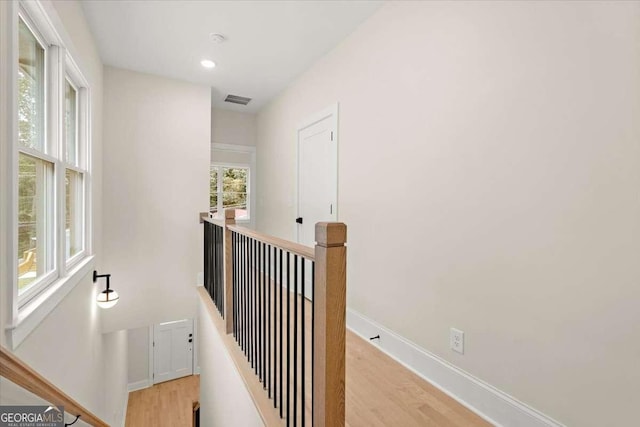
pixel 229 214
pixel 331 234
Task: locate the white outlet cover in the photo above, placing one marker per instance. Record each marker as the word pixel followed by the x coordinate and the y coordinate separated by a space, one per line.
pixel 456 340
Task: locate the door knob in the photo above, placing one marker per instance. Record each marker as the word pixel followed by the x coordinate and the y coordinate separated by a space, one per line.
pixel 299 220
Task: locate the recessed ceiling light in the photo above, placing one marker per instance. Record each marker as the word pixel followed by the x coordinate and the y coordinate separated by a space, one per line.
pixel 216 38
pixel 207 63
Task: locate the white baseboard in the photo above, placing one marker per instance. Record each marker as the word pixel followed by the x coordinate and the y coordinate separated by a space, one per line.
pixel 485 400
pixel 139 385
pixel 196 371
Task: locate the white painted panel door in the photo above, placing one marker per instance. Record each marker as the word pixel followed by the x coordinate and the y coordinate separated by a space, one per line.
pixel 172 350
pixel 317 180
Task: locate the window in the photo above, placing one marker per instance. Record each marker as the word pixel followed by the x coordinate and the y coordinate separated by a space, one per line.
pixel 52 166
pixel 70 123
pixel 74 213
pixel 31 89
pixel 35 168
pixel 35 224
pixel 74 176
pixel 229 188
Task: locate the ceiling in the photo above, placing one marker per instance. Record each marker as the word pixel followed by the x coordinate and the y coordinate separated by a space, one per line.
pixel 268 43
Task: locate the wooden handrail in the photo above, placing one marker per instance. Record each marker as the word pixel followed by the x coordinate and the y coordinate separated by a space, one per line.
pixel 294 248
pixel 21 374
pixel 216 221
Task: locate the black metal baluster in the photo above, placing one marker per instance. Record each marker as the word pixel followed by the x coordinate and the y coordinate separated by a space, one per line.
pixel 206 257
pixel 262 313
pixel 280 283
pixel 302 359
pixel 244 294
pixel 275 327
pixel 295 339
pixel 217 270
pixel 204 241
pixel 250 306
pixel 217 266
pixel 213 269
pixel 239 288
pixel 313 332
pixel 263 323
pixel 259 311
pixel 269 371
pixel 242 323
pixel 234 294
pixel 245 322
pixel 256 277
pixel 264 317
pixel 236 297
pixel 220 271
pixel 250 289
pixel 288 342
pixel 280 341
pixel 212 264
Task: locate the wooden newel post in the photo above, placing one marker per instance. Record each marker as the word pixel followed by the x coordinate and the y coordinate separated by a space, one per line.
pixel 229 219
pixel 329 321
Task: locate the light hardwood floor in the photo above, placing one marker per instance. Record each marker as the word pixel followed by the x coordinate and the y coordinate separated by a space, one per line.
pixel 167 404
pixel 381 392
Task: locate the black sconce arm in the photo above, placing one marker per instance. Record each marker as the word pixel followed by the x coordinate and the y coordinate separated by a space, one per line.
pixel 97 276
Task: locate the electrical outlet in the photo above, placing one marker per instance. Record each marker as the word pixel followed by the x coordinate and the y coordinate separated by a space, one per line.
pixel 456 340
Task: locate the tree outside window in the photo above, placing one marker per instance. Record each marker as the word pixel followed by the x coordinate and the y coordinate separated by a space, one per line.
pixel 231 191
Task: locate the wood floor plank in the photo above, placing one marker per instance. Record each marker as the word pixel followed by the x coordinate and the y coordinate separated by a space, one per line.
pixel 381 392
pixel 167 404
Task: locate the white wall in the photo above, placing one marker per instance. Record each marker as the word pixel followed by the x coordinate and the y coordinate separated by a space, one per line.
pixel 232 127
pixel 66 347
pixel 489 167
pixel 138 368
pixel 224 398
pixel 157 131
pixel 115 377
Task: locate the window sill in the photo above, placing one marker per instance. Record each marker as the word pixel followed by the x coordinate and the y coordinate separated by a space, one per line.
pixel 32 314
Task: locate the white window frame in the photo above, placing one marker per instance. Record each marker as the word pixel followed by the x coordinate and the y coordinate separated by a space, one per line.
pixel 48 148
pixel 246 166
pixel 79 83
pixel 21 315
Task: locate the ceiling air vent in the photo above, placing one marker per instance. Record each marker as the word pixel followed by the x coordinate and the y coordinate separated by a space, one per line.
pixel 235 99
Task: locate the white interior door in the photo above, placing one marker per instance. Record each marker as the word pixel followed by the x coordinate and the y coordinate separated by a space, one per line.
pixel 172 350
pixel 317 177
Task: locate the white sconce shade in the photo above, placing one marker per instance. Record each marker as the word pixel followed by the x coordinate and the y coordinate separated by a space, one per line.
pixel 107 298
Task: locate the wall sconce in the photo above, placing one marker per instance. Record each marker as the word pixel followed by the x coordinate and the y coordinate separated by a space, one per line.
pixel 107 298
